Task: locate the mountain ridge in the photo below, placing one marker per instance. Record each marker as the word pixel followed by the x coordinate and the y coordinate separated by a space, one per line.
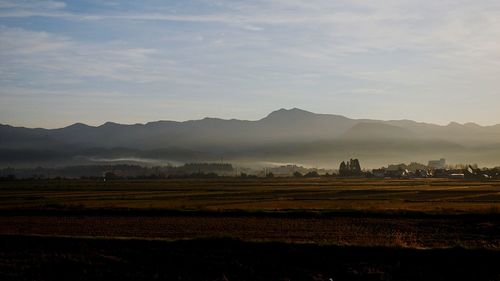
pixel 291 134
pixel 281 110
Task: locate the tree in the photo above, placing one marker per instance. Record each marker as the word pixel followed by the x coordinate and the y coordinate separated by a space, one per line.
pixel 352 168
pixel 355 167
pixel 312 174
pixel 343 171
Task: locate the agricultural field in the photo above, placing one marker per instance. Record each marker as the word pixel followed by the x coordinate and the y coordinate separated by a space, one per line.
pixel 388 231
pixel 431 213
pixel 222 259
pixel 279 194
pixel 415 223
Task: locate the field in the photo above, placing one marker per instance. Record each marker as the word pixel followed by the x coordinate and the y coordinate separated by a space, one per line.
pixel 305 219
pixel 322 194
pixel 47 258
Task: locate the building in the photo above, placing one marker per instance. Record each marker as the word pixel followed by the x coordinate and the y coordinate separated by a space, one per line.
pixel 379 173
pixel 437 164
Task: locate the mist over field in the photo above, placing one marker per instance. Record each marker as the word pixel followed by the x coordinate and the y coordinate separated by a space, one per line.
pixel 284 136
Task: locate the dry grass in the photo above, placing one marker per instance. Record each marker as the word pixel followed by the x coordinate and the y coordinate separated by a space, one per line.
pixel 426 195
pixel 428 232
pixel 331 198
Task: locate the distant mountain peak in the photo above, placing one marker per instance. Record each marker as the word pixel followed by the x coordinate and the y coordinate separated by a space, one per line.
pixel 289 113
pixel 78 125
pixel 454 124
pixel 472 125
pixel 110 124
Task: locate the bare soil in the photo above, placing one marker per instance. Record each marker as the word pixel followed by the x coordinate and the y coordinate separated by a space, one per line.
pixel 43 258
pixel 416 231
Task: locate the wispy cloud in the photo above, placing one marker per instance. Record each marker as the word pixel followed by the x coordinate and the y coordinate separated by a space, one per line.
pixel 282 51
pixel 59 56
pixel 32 5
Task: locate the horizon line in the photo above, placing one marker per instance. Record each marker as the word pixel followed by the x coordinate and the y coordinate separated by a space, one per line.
pixel 256 120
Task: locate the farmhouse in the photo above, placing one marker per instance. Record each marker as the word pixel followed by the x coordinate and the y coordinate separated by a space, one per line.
pixel 437 164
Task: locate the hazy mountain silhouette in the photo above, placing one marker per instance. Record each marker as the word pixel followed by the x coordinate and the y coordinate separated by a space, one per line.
pixel 377 131
pixel 292 135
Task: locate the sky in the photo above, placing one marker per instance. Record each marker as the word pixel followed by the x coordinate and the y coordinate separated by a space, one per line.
pixel 94 61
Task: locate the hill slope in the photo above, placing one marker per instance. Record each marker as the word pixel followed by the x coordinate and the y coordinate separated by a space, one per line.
pixel 292 135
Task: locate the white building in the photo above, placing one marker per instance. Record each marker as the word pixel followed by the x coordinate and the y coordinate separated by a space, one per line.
pixel 437 164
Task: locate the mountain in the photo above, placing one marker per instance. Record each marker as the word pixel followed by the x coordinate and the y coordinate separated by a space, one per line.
pixel 365 130
pixel 292 135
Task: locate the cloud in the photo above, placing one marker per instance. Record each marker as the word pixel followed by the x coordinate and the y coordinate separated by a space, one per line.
pixel 17 41
pixel 275 50
pixel 308 36
pixel 350 26
pixel 32 5
pixel 61 58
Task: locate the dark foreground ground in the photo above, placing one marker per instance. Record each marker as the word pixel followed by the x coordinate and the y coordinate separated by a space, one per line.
pixel 56 258
pixel 410 230
pixel 259 229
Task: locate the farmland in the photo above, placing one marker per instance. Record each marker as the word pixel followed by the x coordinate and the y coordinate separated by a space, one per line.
pixel 48 258
pixel 321 194
pixel 404 219
pixel 431 213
